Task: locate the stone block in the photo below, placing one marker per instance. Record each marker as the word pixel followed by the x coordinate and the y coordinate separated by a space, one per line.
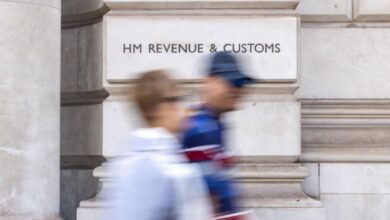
pixel 368 10
pixel 360 178
pixel 69 59
pixel 268 44
pixel 325 10
pixel 344 63
pixel 81 130
pixel 356 206
pixel 265 128
pixel 81 60
pixel 90 57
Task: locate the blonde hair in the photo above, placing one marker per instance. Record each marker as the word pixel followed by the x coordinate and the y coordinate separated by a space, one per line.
pixel 150 89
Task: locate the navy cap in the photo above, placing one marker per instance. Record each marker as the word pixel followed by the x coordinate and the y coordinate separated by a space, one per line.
pixel 225 65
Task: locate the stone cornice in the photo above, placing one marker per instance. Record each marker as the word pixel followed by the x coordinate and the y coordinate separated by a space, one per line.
pixel 285 172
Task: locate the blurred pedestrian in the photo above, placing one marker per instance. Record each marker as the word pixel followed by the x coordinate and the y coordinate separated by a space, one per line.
pixel 203 139
pixel 156 182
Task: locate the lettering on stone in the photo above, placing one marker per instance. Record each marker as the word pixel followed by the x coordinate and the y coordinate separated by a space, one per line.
pixel 200 48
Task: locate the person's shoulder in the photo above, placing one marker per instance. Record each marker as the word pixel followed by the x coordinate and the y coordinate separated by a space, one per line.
pixel 198 118
pixel 201 129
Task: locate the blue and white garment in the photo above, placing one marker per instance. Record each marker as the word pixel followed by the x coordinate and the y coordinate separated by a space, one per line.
pixel 204 129
pixel 157 183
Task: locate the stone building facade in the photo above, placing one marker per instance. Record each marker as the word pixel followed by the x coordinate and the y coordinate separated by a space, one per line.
pixel 313 135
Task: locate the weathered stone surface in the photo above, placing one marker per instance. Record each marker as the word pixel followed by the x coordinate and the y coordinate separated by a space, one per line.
pixel 90 49
pixel 356 206
pixel 354 178
pixel 69 60
pixel 333 69
pixel 29 109
pixel 81 65
pixel 81 130
pixel 265 128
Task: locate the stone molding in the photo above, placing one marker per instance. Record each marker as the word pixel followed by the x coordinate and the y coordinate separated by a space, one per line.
pixel 81 161
pixel 345 131
pixel 345 24
pixel 264 186
pixel 83 98
pixel 266 159
pixel 202 4
pixel 86 18
pixel 361 105
pixel 345 155
pixel 345 113
pixel 121 90
pixel 205 12
pixel 274 185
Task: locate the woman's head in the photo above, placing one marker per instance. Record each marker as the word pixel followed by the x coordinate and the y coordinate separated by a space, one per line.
pixel 157 98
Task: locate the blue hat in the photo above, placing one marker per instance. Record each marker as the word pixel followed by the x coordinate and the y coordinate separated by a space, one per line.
pixel 224 64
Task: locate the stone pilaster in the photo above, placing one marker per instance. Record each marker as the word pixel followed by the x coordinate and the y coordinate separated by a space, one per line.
pixel 30 109
pixel 81 101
